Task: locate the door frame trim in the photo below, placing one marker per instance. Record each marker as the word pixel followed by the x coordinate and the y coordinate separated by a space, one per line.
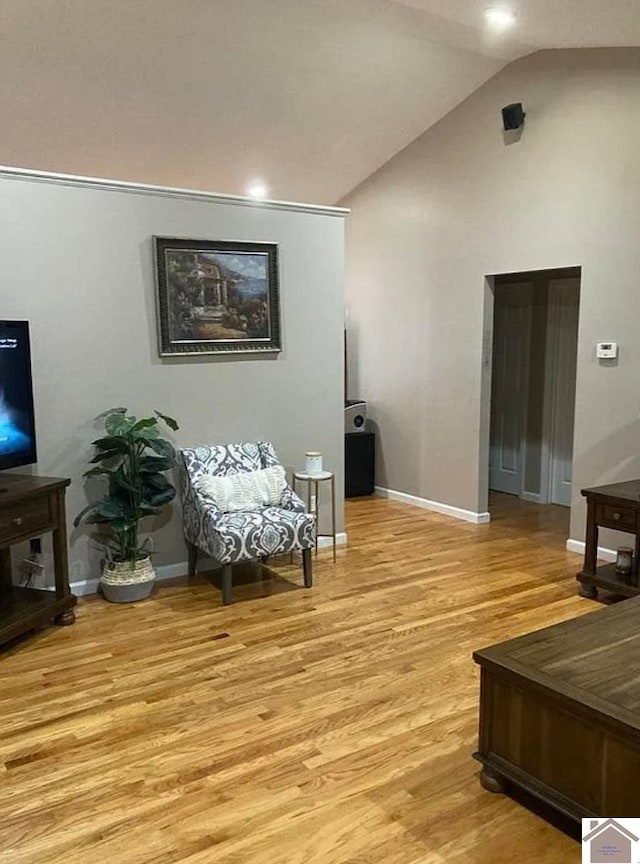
pixel 486 363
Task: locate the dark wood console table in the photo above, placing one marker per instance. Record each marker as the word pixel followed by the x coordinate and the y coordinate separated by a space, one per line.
pixel 560 713
pixel 29 507
pixel 615 506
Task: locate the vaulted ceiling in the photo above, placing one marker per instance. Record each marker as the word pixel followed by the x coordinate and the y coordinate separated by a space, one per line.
pixel 311 96
pixel 539 24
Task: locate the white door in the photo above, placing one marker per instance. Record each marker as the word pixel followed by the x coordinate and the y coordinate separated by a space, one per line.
pixel 509 385
pixel 564 298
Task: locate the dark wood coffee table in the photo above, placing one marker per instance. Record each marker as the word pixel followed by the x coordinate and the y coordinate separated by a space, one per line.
pixel 560 714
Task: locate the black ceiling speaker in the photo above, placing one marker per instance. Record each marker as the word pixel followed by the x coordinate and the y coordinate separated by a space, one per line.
pixel 513 117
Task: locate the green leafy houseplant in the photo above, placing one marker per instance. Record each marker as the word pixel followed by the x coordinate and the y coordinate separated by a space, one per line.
pixel 133 457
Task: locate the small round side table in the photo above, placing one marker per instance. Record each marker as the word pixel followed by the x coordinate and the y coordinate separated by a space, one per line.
pixel 312 481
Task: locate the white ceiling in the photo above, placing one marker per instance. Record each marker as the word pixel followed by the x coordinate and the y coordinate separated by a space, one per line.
pixel 539 23
pixel 311 96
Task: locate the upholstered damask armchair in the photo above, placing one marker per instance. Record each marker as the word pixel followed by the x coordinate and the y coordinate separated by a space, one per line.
pixel 242 535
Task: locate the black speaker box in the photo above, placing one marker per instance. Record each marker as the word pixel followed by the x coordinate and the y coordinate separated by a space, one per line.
pixel 359 464
pixel 513 116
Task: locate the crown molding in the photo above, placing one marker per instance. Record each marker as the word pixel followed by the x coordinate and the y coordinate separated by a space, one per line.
pixel 9 173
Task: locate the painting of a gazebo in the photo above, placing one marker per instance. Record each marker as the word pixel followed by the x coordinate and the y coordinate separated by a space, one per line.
pixel 217 296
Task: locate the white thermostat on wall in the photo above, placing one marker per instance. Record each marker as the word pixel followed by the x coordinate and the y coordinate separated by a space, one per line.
pixel 607 350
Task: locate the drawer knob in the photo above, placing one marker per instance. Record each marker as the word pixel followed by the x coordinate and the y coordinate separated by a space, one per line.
pixel 616 515
pixel 17 520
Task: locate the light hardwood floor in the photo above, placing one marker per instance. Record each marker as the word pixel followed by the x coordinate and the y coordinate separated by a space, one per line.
pixel 325 726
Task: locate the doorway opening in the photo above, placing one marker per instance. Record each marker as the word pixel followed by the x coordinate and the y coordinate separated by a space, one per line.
pixel 533 365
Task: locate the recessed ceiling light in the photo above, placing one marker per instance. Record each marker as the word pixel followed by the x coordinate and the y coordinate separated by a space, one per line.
pixel 500 18
pixel 257 189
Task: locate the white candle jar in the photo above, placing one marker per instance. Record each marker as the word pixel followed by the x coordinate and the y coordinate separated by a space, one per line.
pixel 313 462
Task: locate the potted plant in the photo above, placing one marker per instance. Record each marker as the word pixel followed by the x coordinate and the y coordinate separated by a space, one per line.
pixel 134 459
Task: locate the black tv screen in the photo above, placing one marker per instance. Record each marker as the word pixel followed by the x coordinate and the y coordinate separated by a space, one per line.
pixel 17 426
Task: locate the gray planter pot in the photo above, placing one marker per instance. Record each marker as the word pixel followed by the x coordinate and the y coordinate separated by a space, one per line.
pixel 121 583
pixel 126 593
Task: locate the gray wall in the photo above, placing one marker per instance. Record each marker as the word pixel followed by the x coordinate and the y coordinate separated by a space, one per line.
pixel 77 262
pixel 462 202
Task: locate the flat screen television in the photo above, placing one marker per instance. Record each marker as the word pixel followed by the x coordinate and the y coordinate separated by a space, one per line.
pixel 17 423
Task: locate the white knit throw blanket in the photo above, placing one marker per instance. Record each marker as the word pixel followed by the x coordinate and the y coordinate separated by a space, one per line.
pixel 247 490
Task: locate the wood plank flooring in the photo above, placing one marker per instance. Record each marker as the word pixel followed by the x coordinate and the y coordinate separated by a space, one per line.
pixel 325 726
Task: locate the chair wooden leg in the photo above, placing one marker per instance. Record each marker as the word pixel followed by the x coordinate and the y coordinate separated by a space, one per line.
pixel 192 552
pixel 307 568
pixel 226 584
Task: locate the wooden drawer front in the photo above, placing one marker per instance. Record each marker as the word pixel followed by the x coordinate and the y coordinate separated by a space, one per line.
pixel 617 517
pixel 24 518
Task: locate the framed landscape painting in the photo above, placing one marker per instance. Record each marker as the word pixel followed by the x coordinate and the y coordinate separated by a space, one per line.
pixel 217 297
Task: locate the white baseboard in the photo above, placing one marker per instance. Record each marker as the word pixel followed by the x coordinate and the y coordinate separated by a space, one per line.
pixel 604 554
pixel 164 571
pixel 436 506
pixel 84 587
pixel 533 497
pixel 341 540
pixel 171 571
